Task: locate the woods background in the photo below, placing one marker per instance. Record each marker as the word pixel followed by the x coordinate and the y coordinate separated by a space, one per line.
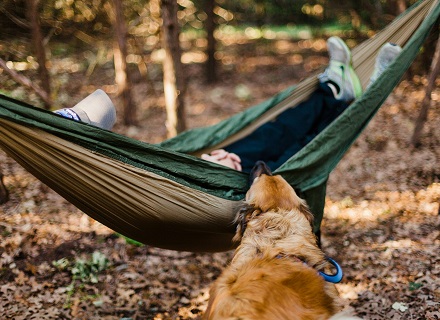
pixel 126 37
pixel 382 213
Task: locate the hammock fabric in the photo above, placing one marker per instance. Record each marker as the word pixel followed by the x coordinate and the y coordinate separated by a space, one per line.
pixel 164 195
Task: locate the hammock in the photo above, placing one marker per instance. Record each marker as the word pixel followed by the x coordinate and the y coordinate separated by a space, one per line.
pixel 164 195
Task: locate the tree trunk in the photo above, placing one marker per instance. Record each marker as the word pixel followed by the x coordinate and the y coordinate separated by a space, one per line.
pixel 420 65
pixel 173 77
pixel 4 194
pixel 122 76
pixel 399 7
pixel 379 13
pixel 40 53
pixel 371 20
pixel 211 66
pixel 423 115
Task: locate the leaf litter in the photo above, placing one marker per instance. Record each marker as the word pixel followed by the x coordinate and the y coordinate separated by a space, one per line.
pixel 381 223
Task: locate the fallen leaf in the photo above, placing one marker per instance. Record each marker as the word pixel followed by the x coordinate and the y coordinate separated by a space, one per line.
pixel 399 306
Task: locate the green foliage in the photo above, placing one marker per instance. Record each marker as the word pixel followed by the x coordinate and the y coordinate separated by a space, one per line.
pixel 130 241
pixel 85 270
pixel 88 270
pixel 414 286
pixel 61 264
pixel 242 92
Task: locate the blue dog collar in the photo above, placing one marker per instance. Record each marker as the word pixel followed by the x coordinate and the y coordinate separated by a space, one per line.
pixel 335 278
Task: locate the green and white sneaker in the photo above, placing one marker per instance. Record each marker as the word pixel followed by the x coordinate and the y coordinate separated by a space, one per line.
pixel 340 75
pixel 387 54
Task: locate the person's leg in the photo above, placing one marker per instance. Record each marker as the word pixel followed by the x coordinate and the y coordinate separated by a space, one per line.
pixel 259 145
pixel 278 140
pixel 282 136
pixel 295 127
pixel 338 86
pixel 331 106
pixel 340 75
pixel 313 115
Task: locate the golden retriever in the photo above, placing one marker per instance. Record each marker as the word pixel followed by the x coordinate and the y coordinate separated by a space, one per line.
pixel 277 270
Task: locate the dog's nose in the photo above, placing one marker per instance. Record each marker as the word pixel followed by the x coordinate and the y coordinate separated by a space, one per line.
pixel 259 168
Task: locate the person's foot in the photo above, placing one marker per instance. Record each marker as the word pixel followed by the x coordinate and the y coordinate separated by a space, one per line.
pixel 387 54
pixel 340 75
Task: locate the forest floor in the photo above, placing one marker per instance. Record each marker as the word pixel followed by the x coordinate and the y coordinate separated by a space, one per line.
pixel 382 221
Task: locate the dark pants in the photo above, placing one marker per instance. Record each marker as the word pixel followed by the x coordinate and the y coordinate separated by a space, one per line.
pixel 278 140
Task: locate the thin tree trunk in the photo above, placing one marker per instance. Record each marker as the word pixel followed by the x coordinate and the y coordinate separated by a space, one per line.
pixel 423 115
pixel 379 10
pixel 358 7
pixel 399 6
pixel 40 53
pixel 4 194
pixel 173 77
pixel 122 76
pixel 211 66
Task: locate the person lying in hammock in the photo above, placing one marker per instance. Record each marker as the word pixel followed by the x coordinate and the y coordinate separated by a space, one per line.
pixel 278 140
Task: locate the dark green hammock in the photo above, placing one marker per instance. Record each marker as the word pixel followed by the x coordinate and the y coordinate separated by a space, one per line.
pixel 164 195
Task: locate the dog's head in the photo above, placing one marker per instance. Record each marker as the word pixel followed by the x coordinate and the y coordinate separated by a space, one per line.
pixel 269 193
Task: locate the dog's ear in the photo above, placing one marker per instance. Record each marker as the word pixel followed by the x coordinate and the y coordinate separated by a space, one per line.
pixel 246 213
pixel 304 208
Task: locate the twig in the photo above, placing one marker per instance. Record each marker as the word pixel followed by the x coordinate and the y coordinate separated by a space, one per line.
pixel 18 21
pixel 4 194
pixel 25 82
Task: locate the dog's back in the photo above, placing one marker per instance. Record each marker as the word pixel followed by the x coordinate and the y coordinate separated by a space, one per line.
pixel 274 271
pixel 268 288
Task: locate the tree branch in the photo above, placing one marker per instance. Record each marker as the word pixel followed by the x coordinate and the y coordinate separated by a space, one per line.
pixel 25 82
pixel 18 21
pixel 4 194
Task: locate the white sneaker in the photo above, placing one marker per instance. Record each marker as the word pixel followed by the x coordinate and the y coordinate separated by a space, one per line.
pixel 340 75
pixel 338 50
pixel 387 54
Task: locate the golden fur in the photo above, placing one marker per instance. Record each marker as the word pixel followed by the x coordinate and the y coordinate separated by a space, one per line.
pixel 274 271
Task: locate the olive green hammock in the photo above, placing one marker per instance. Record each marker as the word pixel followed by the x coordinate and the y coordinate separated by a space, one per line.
pixel 164 195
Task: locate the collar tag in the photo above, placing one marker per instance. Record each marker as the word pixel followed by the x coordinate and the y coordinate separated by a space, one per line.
pixel 335 278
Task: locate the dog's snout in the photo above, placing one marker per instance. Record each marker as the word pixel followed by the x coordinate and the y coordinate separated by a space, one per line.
pixel 259 168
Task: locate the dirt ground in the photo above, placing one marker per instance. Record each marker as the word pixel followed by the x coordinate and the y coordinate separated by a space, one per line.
pixel 382 221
